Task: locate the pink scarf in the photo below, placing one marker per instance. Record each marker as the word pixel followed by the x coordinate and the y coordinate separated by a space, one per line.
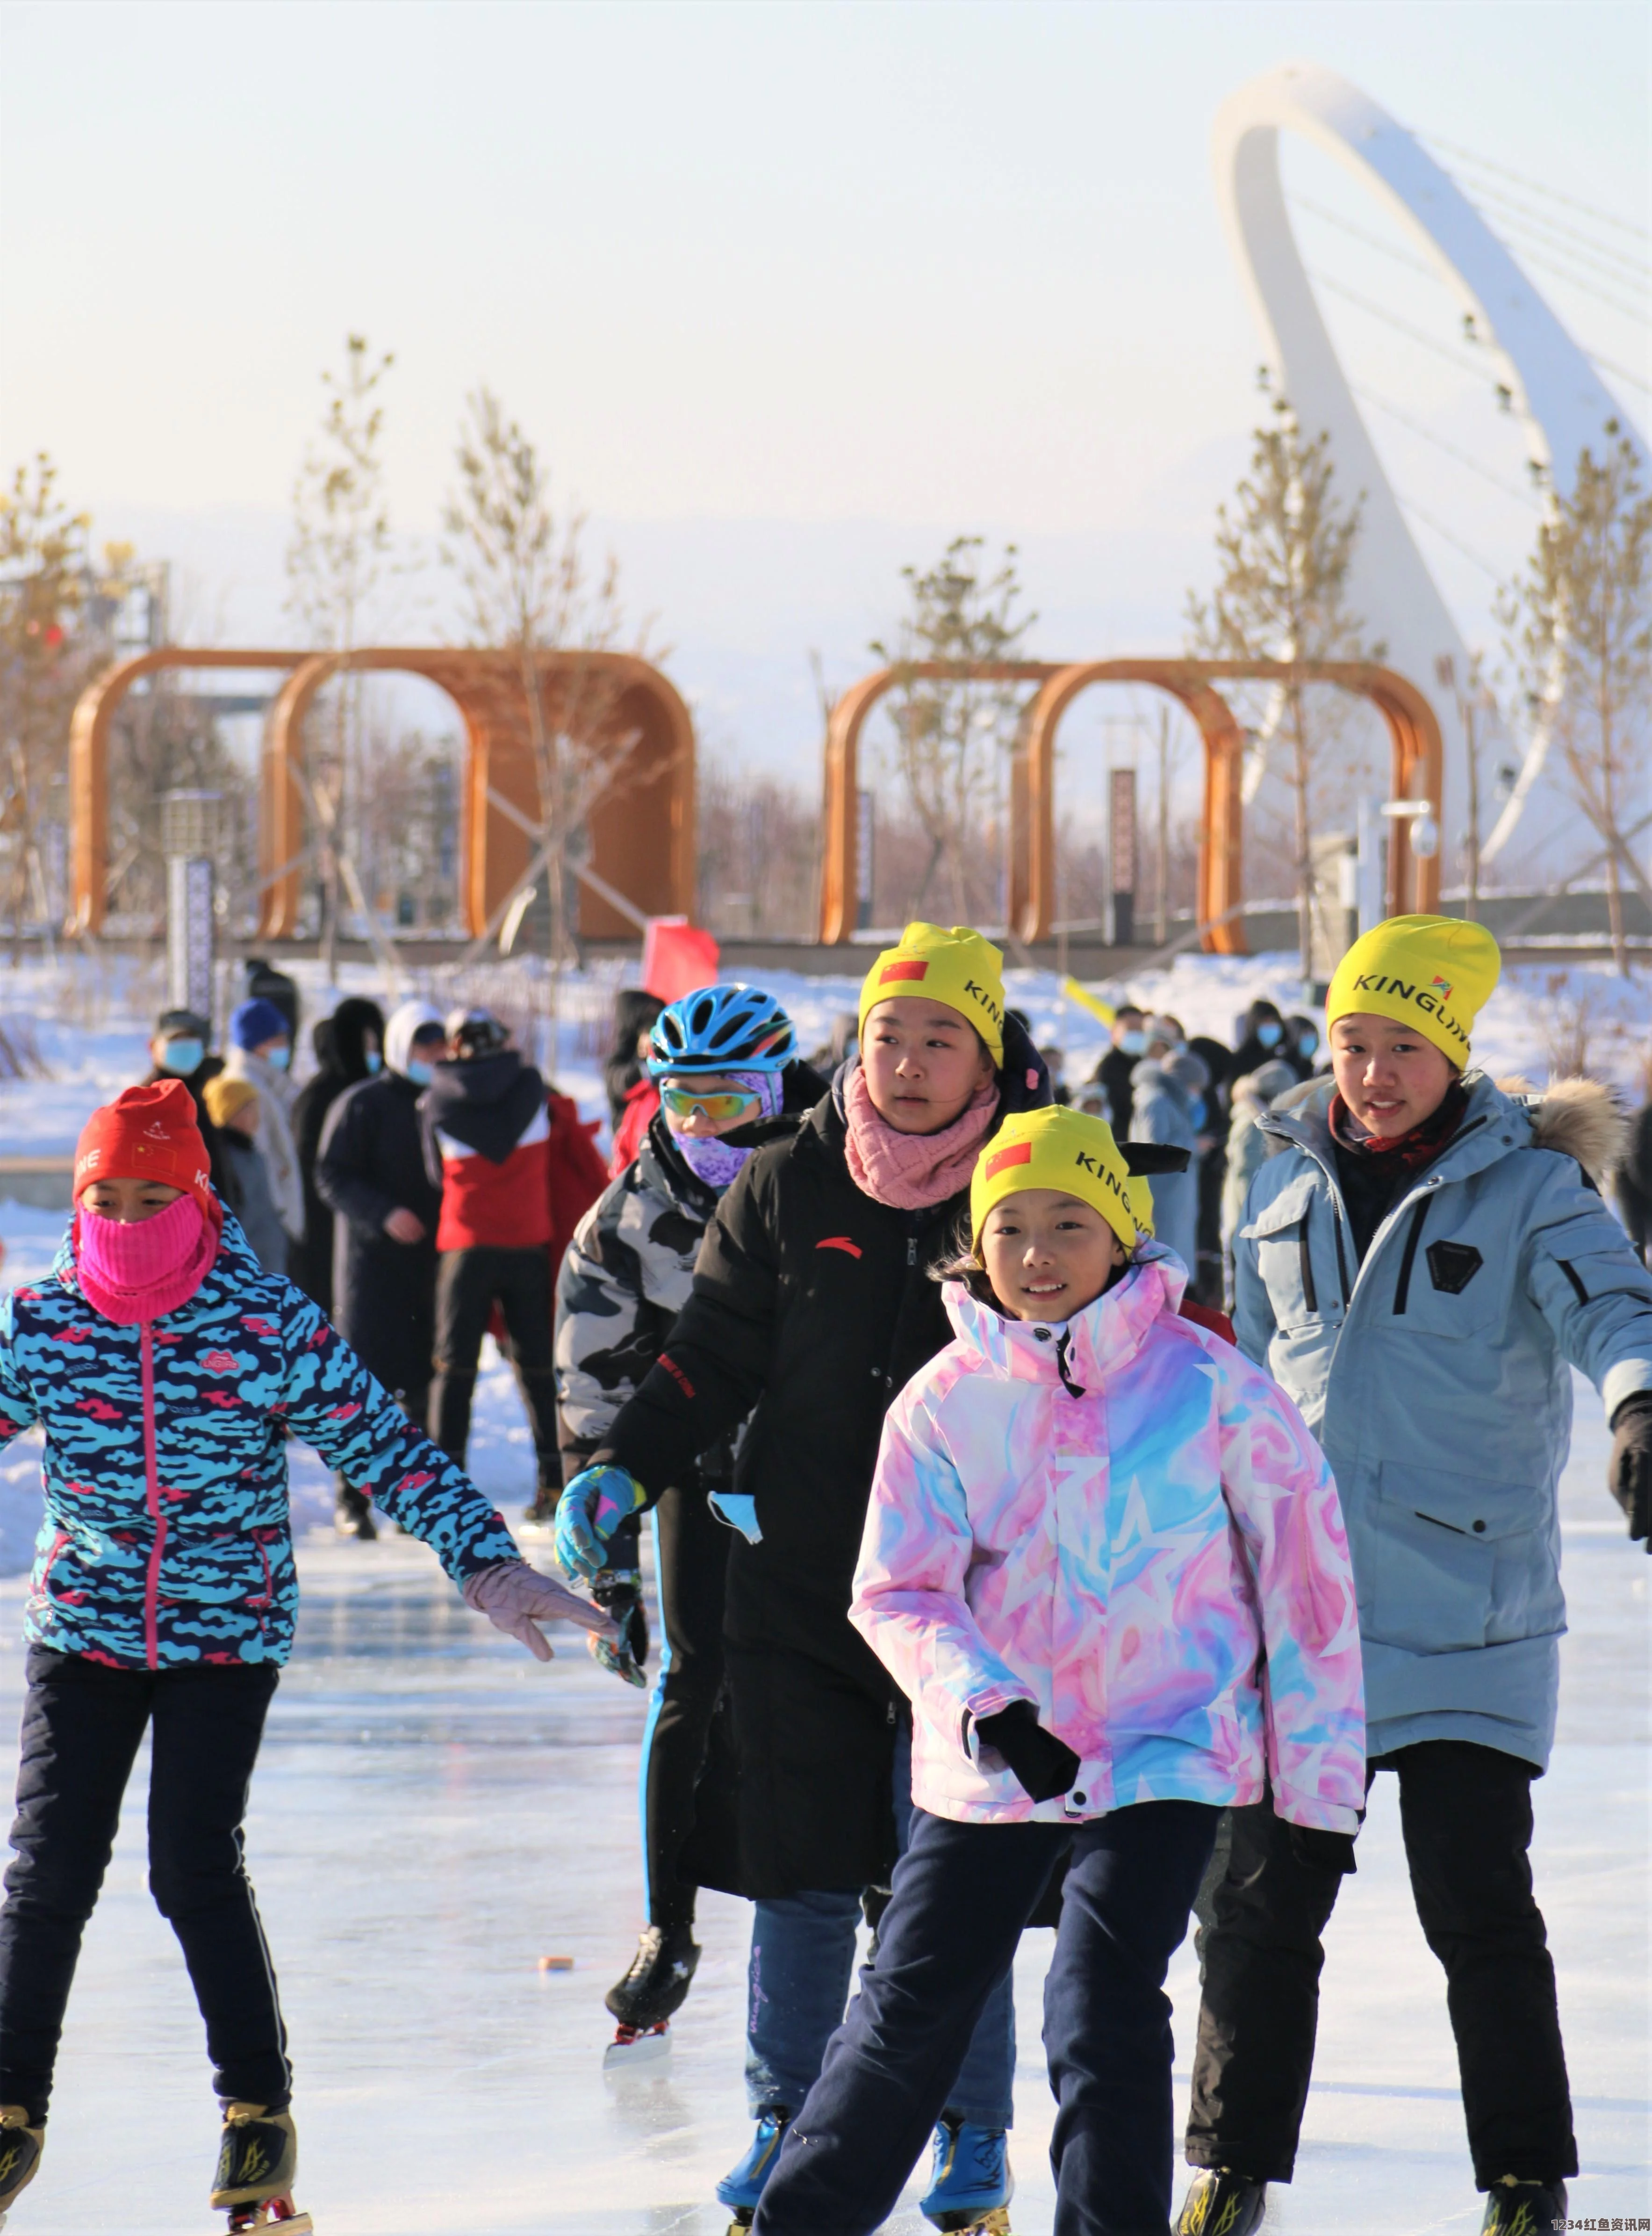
pixel 137 1272
pixel 913 1172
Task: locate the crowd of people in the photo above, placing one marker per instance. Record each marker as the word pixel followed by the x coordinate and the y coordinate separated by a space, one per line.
pixel 1004 1581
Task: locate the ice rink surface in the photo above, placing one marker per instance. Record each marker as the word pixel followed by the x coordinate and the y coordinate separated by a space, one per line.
pixel 433 1812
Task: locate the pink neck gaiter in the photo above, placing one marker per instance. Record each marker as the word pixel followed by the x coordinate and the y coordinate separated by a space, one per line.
pixel 913 1172
pixel 139 1272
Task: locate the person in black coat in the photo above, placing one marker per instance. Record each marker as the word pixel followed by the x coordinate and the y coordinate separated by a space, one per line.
pixel 815 1300
pixel 371 1173
pixel 1116 1069
pixel 635 1011
pixel 349 1045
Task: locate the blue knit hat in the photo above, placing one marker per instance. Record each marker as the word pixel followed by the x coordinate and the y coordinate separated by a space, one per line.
pixel 252 1024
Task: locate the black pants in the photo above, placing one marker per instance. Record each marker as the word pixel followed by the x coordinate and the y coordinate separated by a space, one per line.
pixel 1465 1812
pixel 962 1895
pixel 692 1560
pixel 82 1725
pixel 468 1283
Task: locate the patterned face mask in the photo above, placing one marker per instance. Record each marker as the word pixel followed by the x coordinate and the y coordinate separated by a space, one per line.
pixel 716 1161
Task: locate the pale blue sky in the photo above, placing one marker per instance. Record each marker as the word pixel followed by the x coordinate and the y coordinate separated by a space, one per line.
pixel 827 268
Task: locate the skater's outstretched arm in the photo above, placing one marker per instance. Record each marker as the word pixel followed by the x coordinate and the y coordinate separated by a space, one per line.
pixel 331 1401
pixel 1289 1521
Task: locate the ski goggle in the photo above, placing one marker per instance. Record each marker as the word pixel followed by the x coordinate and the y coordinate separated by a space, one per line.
pixel 722 1108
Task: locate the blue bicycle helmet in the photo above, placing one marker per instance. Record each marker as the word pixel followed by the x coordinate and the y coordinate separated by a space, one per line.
pixel 722 1029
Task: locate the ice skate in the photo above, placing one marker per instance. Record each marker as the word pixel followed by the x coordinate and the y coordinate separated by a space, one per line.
pixel 20 2149
pixel 1526 2208
pixel 741 2189
pixel 657 1983
pixel 257 2161
pixel 970 2184
pixel 1222 2204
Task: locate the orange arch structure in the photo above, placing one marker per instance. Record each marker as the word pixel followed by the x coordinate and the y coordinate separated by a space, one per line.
pixel 1416 773
pixel 642 833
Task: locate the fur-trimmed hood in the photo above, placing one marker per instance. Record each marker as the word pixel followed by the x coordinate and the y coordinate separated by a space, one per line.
pixel 1578 1118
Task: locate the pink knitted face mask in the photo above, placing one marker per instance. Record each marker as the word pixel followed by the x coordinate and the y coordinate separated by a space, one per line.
pixel 137 1272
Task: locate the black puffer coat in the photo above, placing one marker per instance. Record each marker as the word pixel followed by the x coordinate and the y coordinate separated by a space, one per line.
pixel 340 1044
pixel 812 1304
pixel 371 1161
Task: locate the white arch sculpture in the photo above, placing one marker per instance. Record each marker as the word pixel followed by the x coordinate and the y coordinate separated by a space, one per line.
pixel 1561 402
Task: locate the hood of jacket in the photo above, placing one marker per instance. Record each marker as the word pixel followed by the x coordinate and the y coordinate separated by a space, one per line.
pixel 345 1044
pixel 1152 1077
pixel 486 1101
pixel 1079 1353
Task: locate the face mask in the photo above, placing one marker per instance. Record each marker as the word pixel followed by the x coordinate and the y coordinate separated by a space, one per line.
pixel 374 1062
pixel 279 1058
pixel 1133 1043
pixel 1307 1043
pixel 1198 1114
pixel 420 1074
pixel 1270 1036
pixel 181 1057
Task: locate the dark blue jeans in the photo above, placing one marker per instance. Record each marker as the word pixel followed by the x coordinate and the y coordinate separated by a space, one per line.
pixel 803 1959
pixel 962 1895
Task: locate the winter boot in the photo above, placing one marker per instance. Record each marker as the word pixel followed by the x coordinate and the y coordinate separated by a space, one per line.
pixel 1221 2203
pixel 971 2184
pixel 258 2159
pixel 20 2149
pixel 352 1516
pixel 742 2188
pixel 1526 2208
pixel 659 1976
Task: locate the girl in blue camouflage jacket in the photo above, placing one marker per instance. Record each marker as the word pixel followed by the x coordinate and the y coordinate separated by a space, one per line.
pixel 168 1371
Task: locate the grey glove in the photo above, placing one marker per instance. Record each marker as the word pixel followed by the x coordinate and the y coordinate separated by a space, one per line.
pixel 516 1598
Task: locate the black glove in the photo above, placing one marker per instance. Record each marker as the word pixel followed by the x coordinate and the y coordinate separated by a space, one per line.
pixel 1628 1472
pixel 1044 1765
pixel 1323 1852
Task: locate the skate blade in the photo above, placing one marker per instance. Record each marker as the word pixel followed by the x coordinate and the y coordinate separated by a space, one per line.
pixel 628 2050
pixel 295 2223
pixel 993 2222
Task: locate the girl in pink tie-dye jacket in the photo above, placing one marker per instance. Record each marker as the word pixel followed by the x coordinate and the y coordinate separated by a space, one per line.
pixel 1123 1521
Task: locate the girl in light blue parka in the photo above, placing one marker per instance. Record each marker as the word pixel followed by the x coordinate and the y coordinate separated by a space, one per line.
pixel 1422 1262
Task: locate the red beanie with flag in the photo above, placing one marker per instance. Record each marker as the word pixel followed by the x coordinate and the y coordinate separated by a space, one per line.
pixel 148 1133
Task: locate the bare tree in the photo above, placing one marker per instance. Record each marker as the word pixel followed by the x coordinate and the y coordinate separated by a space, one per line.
pixel 1283 557
pixel 1578 628
pixel 529 588
pixel 759 852
pixel 47 656
pixel 337 557
pixel 1476 711
pixel 949 736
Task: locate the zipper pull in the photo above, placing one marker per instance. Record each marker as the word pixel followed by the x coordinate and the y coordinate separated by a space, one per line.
pixel 912 1249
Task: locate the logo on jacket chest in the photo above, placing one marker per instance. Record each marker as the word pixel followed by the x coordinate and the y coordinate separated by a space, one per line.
pixel 1452 1266
pixel 843 1242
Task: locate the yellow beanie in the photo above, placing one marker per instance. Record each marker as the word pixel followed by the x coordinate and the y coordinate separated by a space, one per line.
pixel 226 1097
pixel 1435 973
pixel 1066 1149
pixel 958 968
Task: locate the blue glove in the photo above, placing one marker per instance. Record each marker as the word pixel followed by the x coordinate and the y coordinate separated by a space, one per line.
pixel 589 1511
